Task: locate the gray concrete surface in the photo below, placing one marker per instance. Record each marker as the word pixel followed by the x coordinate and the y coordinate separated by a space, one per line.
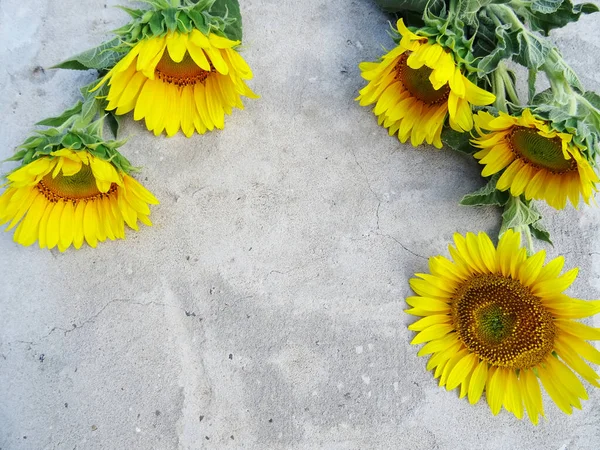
pixel 264 308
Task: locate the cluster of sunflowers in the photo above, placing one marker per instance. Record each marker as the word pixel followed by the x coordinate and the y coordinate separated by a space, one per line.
pixel 175 66
pixel 496 318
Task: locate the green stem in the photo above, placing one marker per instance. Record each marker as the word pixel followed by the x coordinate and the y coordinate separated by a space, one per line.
pixel 528 238
pixel 508 84
pixel 499 92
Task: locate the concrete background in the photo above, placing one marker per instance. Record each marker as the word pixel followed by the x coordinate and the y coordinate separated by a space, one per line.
pixel 264 308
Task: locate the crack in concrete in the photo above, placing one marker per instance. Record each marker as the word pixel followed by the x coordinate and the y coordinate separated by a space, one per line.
pixel 402 245
pixel 293 269
pixel 91 319
pixel 365 175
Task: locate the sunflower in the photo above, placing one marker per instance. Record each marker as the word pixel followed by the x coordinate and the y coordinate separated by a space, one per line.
pixel 180 80
pixel 69 196
pixel 416 86
pixel 496 319
pixel 540 162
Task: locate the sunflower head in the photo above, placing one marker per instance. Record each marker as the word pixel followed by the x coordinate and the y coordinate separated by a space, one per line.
pixel 67 196
pixel 495 319
pixel 178 67
pixel 417 86
pixel 535 159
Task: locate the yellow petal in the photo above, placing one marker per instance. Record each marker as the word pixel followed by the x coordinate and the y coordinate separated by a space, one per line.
pixel 53 225
pixel 66 226
pixel 90 226
pixel 177 46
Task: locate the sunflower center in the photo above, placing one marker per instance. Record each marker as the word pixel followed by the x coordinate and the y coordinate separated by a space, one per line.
pixel 183 73
pixel 81 186
pixel 540 151
pixel 502 322
pixel 416 81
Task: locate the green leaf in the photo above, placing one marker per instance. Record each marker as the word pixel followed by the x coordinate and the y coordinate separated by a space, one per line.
pixel 18 156
pixel 230 9
pixel 546 6
pixel 114 123
pixel 156 25
pixel 199 21
pixel 134 13
pixel 503 45
pixel 396 6
pixel 539 232
pixel 518 213
pixel 170 16
pixel 60 120
pixel 593 98
pixel 533 50
pixel 184 24
pixel 101 57
pixel 71 140
pixel 542 18
pixel 457 141
pixel 487 195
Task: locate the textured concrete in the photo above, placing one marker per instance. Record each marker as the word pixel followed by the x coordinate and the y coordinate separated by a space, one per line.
pixel 264 308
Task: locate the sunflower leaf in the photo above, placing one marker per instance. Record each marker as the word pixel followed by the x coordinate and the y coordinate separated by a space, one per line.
pixel 546 15
pixel 487 195
pixel 101 57
pixel 114 123
pixel 533 50
pixel 134 13
pixel 229 9
pixel 396 6
pixel 457 141
pixel 518 213
pixel 540 232
pixel 71 140
pixel 198 21
pixel 503 45
pixel 60 120
pixel 170 16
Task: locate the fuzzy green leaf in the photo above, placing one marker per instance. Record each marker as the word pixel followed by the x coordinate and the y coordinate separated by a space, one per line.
pixel 71 140
pixel 533 50
pixel 170 16
pixel 518 213
pixel 503 45
pixel 156 25
pixel 593 98
pixel 457 141
pixel 199 21
pixel 546 15
pixel 60 120
pixel 546 6
pixel 114 123
pixel 396 6
pixel 134 13
pixel 101 57
pixel 230 9
pixel 487 195
pixel 538 230
pixel 18 156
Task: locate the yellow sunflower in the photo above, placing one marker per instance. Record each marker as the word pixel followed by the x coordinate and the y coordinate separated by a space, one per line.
pixel 497 320
pixel 540 162
pixel 70 196
pixel 416 86
pixel 186 81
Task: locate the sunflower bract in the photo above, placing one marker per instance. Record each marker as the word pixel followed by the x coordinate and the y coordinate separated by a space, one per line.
pixel 71 196
pixel 496 320
pixel 180 81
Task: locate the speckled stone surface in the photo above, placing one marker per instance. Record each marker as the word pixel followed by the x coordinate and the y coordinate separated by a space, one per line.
pixel 263 310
